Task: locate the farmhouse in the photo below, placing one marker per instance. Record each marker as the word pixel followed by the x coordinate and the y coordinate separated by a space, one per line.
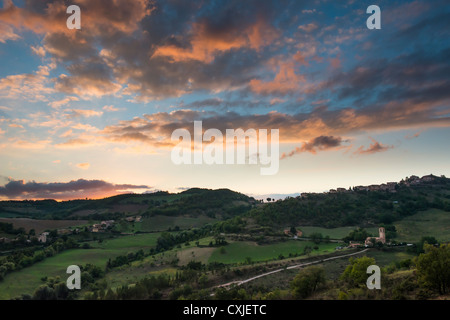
pixel 5 240
pixel 354 244
pixel 43 237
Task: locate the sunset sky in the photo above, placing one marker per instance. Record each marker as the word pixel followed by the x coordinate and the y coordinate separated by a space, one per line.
pixel 90 112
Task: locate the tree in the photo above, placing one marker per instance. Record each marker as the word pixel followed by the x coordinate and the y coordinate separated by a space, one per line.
pixel 44 292
pixel 307 281
pixel 293 230
pixel 316 237
pixel 356 273
pixel 420 247
pixel 433 269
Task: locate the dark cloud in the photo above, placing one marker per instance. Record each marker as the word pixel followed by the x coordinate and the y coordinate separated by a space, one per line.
pixel 317 144
pixel 19 189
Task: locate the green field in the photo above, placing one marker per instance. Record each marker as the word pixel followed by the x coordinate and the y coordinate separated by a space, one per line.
pixel 432 222
pixel 334 233
pixel 130 242
pixel 158 223
pixel 28 279
pixel 237 252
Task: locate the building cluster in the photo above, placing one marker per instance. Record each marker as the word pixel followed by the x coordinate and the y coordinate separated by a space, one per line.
pixel 102 226
pixel 134 219
pixel 370 241
pixel 415 180
pixel 42 238
pixel 289 233
pixel 389 186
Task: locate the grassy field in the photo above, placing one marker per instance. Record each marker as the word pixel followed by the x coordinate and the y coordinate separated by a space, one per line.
pixel 28 279
pixel 432 222
pixel 159 263
pixel 162 223
pixel 334 233
pixel 159 223
pixel 237 252
pixel 42 225
pixel 130 242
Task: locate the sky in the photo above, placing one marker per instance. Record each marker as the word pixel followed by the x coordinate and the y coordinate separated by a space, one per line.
pixel 90 112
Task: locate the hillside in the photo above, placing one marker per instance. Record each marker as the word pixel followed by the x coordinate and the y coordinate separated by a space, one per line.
pixel 364 206
pixel 184 245
pixel 222 203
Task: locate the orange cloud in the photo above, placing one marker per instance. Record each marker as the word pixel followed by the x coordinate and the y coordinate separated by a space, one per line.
pixel 205 43
pixel 285 81
pixel 103 16
pixel 84 166
pixel 373 148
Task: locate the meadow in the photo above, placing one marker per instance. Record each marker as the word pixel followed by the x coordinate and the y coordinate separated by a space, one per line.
pixel 432 222
pixel 28 279
pixel 161 222
pixel 239 252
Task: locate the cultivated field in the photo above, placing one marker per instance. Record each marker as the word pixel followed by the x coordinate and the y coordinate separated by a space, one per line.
pixel 42 225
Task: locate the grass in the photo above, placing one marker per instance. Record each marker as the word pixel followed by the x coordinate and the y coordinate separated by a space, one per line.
pixel 432 222
pixel 28 279
pixel 385 258
pixel 129 242
pixel 334 233
pixel 160 222
pixel 237 252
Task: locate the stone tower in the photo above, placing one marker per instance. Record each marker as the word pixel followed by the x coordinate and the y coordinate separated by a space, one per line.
pixel 382 234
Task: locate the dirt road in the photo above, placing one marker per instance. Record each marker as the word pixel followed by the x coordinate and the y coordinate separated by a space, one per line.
pixel 240 282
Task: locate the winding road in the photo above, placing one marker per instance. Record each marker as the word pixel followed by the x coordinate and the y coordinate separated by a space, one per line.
pixel 240 282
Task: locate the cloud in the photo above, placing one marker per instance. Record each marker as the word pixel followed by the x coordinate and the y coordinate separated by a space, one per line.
pixel 110 108
pixel 59 103
pixel 317 144
pixel 156 129
pixel 308 27
pixel 76 113
pixel 15 125
pixel 413 136
pixel 7 33
pixel 210 37
pixel 286 81
pixel 81 188
pixel 39 51
pixel 374 147
pixel 84 165
pixel 29 86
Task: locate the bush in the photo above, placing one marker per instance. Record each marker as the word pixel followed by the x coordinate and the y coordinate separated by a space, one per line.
pixel 307 282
